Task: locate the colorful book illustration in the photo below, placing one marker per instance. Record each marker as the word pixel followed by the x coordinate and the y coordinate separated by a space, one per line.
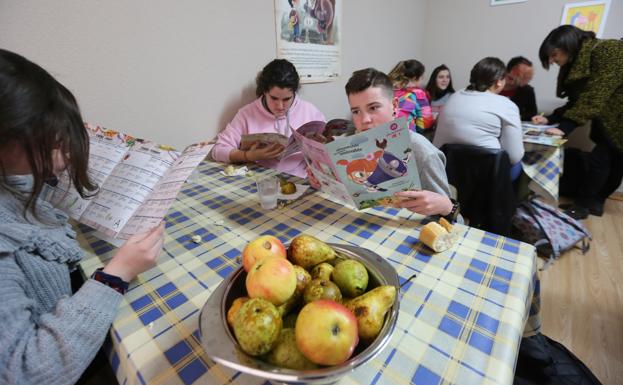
pixel 363 169
pixel 138 181
pixel 535 133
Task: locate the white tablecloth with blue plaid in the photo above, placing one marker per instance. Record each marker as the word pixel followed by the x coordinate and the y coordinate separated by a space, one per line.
pixel 543 164
pixel 461 319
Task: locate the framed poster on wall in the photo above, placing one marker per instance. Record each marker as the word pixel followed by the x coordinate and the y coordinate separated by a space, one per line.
pixel 309 36
pixel 587 15
pixel 504 2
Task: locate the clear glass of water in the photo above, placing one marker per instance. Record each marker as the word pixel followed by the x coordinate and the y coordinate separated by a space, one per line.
pixel 267 189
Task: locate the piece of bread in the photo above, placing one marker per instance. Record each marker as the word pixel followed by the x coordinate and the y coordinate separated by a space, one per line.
pixel 436 237
pixel 445 224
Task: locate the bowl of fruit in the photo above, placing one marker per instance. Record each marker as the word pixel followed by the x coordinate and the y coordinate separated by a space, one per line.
pixel 307 312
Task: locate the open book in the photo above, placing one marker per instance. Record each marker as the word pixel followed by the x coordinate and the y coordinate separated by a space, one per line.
pixel 138 181
pixel 535 133
pixel 364 169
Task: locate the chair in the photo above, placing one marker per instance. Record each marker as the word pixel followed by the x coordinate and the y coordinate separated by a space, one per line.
pixel 484 187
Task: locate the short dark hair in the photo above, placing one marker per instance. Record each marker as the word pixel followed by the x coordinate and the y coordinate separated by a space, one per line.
pixel 517 60
pixel 567 38
pixel 406 70
pixel 278 73
pixel 485 73
pixel 434 91
pixel 38 114
pixel 369 77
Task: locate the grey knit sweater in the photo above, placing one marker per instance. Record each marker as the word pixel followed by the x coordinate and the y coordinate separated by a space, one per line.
pixel 47 335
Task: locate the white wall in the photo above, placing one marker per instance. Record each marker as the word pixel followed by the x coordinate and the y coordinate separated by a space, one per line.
pixel 176 72
pixel 460 33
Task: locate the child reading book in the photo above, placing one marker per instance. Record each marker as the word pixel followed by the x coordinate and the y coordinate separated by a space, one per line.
pixel 48 334
pixel 276 110
pixel 370 96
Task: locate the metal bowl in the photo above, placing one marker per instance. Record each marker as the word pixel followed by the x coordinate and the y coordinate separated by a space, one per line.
pixel 220 344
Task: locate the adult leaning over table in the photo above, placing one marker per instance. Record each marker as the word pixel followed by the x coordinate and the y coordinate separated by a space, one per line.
pixel 591 78
pixel 277 108
pixel 47 334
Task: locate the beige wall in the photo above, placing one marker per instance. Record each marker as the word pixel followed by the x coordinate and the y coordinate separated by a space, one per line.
pixel 472 29
pixel 176 72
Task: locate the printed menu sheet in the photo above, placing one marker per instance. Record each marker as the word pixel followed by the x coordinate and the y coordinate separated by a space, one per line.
pixel 138 181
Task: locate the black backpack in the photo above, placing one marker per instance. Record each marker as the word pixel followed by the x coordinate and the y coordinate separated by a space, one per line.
pixel 543 361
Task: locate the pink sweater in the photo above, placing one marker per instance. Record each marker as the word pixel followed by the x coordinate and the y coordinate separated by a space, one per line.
pixel 254 118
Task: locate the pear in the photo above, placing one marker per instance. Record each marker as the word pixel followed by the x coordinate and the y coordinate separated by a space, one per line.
pixel 370 309
pixel 285 354
pixel 322 270
pixel 235 306
pixel 321 289
pixel 257 326
pixel 351 277
pixel 302 279
pixel 308 251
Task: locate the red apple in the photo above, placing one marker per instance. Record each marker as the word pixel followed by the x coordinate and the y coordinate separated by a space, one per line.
pixel 261 247
pixel 326 332
pixel 273 279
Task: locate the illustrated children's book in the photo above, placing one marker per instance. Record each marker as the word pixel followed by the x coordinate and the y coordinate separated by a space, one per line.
pixel 363 169
pixel 138 181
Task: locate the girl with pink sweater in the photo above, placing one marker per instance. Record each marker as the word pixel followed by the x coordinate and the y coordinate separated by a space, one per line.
pixel 276 109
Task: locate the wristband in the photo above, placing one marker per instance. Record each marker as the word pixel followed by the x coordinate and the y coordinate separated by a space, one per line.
pixel 454 212
pixel 111 281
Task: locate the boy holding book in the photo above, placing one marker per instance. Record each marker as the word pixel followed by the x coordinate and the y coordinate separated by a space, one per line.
pixel 370 96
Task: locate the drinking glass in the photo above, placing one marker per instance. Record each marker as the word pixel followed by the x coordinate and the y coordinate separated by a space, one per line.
pixel 267 189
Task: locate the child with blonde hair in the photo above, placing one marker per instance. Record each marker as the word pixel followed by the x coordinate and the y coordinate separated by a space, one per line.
pixel 410 99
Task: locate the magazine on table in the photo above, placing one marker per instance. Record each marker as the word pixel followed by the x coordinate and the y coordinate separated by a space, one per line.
pixel 364 169
pixel 138 181
pixel 535 133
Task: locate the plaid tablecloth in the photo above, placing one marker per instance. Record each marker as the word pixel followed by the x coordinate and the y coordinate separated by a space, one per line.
pixel 543 164
pixel 461 319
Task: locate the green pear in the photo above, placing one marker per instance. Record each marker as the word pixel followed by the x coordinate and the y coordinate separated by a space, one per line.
pixel 351 277
pixel 257 326
pixel 308 251
pixel 285 354
pixel 321 289
pixel 302 279
pixel 370 309
pixel 322 270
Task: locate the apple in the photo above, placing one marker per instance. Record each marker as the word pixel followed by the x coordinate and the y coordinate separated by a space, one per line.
pixel 326 332
pixel 273 279
pixel 264 246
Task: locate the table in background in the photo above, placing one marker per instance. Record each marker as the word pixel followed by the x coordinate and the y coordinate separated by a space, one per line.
pixel 543 164
pixel 460 321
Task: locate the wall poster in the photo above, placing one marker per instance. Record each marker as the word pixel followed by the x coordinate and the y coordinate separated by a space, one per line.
pixel 588 15
pixel 309 35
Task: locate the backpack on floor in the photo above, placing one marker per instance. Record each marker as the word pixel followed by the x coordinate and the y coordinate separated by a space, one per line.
pixel 543 361
pixel 550 230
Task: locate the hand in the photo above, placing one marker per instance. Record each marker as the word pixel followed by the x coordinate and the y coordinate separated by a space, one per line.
pixel 424 202
pixel 539 119
pixel 137 254
pixel 555 131
pixel 267 152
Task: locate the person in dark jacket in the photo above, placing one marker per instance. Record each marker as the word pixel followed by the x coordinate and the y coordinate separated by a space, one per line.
pixel 591 78
pixel 519 73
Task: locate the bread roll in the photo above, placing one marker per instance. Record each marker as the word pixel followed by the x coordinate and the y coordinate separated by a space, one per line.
pixel 436 237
